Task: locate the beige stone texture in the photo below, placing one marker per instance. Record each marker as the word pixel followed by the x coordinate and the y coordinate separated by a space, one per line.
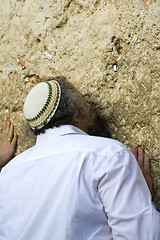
pixel 79 36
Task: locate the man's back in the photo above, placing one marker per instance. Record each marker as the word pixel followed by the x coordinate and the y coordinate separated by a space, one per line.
pixel 68 187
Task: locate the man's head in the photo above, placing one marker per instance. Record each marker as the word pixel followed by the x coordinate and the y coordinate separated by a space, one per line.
pixel 54 103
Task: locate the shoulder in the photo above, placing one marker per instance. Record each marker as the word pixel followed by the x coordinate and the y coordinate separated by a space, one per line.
pixel 108 156
pixel 99 145
pixel 102 155
pixel 19 158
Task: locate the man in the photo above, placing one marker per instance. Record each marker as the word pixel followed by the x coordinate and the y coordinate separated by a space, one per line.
pixel 72 186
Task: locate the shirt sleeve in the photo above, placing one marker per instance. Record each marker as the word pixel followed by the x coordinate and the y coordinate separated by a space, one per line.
pixel 127 200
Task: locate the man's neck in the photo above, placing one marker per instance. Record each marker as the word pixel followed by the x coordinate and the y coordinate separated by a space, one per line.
pixel 82 125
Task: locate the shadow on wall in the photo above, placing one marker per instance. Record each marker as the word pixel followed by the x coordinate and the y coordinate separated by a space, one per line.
pixel 100 125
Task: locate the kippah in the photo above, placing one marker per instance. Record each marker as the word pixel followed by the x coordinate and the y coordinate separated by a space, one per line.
pixel 41 103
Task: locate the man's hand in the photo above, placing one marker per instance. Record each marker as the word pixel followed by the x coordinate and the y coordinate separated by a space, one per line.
pixel 7 144
pixel 144 163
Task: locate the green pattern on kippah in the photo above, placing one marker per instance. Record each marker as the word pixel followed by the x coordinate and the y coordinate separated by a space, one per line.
pixel 58 94
pixel 41 124
pixel 47 103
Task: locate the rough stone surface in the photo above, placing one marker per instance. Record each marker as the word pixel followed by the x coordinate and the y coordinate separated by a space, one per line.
pixel 79 35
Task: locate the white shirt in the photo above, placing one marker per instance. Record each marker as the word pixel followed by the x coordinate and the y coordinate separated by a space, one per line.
pixel 72 186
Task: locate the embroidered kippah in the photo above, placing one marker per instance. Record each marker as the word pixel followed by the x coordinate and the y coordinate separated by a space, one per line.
pixel 42 103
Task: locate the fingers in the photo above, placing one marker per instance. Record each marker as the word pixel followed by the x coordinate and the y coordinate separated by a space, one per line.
pixel 146 166
pixel 135 151
pixel 14 141
pixel 10 133
pixel 140 156
pixel 7 128
pixel 4 129
pixel 144 163
pixel 142 159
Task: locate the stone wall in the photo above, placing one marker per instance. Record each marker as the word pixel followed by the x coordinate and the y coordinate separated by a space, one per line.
pixel 85 39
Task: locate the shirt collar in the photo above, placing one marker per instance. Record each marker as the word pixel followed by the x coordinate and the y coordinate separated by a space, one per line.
pixel 59 131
